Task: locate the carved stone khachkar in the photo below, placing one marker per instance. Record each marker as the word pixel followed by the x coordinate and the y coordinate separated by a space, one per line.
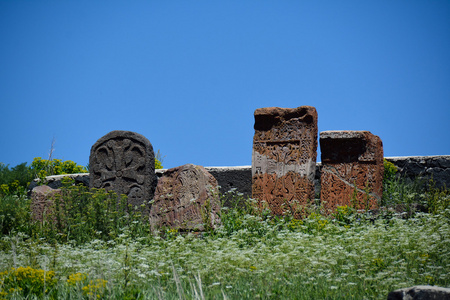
pixel 42 202
pixel 124 161
pixel 185 198
pixel 352 169
pixel 284 158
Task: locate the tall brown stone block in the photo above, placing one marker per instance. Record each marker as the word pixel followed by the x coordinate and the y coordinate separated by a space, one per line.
pixel 284 158
pixel 186 198
pixel 352 169
pixel 124 161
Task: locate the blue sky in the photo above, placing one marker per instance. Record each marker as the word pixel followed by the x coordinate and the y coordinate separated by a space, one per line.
pixel 188 75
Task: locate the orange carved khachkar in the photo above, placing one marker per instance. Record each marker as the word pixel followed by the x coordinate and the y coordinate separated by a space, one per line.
pixel 352 169
pixel 284 158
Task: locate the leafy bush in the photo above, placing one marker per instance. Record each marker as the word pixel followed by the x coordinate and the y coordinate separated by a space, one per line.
pixel 158 160
pixel 80 215
pixel 158 164
pixel 399 192
pixel 390 170
pixel 410 194
pixel 15 180
pixel 14 214
pixel 44 167
pixel 26 281
pixel 344 215
pixel 436 199
pixel 93 289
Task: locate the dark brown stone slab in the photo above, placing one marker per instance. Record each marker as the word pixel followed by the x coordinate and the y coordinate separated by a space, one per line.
pixel 186 198
pixel 284 158
pixel 42 201
pixel 124 161
pixel 352 169
pixel 420 292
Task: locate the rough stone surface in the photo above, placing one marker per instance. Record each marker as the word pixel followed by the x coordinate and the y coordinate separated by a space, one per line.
pixel 284 158
pixel 236 179
pixel 425 168
pixel 420 292
pixel 352 166
pixel 54 181
pixel 185 198
pixel 124 161
pixel 42 201
pixel 241 177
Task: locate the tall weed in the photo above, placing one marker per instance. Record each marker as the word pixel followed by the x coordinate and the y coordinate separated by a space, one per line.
pixel 80 215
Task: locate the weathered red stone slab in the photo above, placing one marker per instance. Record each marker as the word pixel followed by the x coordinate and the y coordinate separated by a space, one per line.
pixel 284 158
pixel 185 198
pixel 124 161
pixel 352 169
pixel 42 201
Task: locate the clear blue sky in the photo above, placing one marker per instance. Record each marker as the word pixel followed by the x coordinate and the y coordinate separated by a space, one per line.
pixel 188 75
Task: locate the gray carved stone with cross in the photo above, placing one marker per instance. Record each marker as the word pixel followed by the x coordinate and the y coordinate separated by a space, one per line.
pixel 124 162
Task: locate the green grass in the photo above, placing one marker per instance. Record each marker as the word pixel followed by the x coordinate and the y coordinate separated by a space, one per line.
pixel 329 261
pixel 97 253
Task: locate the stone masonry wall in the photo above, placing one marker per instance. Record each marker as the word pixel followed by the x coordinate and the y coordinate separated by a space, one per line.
pixel 240 178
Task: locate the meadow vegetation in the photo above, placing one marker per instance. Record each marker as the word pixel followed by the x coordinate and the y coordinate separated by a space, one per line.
pixel 92 245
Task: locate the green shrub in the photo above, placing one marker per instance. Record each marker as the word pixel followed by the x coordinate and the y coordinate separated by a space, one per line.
pixel 390 170
pixel 44 167
pixel 158 160
pixel 79 214
pixel 92 289
pixel 26 281
pixel 158 164
pixel 344 215
pixel 390 183
pixel 436 199
pixel 244 214
pixel 14 181
pixel 398 191
pixel 14 214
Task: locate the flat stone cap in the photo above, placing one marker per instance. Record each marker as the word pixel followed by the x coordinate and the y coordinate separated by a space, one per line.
pixel 344 134
pixel 267 117
pixel 350 146
pixel 280 111
pixel 286 113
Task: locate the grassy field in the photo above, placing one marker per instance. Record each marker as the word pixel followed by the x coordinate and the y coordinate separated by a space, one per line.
pixel 349 255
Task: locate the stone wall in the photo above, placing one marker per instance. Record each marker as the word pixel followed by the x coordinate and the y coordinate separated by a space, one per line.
pixel 240 178
pixel 427 167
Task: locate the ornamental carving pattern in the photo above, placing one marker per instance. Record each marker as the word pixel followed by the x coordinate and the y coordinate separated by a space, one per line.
pixel 123 161
pixel 284 158
pixel 352 169
pixel 185 198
